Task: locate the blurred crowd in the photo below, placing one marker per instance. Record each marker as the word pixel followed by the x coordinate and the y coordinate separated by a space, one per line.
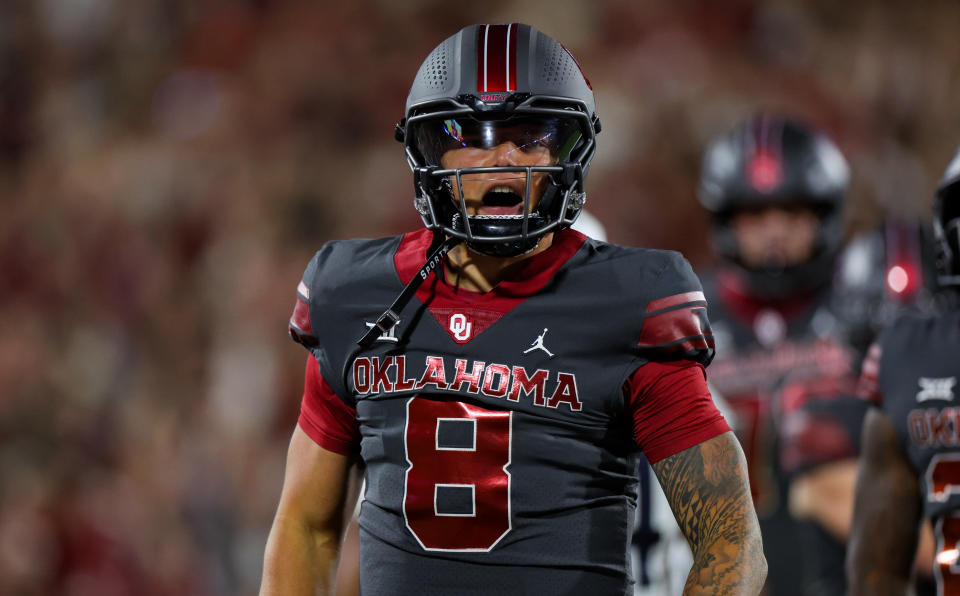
pixel 168 167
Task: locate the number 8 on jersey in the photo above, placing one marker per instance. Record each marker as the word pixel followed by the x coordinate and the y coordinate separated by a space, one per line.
pixel 457 488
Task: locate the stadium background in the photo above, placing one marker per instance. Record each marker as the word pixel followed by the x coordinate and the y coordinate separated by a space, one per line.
pixel 167 168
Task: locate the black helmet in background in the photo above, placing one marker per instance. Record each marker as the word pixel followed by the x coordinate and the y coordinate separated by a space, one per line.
pixel 946 224
pixel 489 84
pixel 775 161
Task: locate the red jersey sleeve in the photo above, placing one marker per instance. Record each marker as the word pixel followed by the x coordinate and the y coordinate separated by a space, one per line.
pixel 331 423
pixel 869 386
pixel 671 407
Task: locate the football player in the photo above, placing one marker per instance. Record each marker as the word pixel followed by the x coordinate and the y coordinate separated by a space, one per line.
pixel 775 189
pixel 500 402
pixel 910 466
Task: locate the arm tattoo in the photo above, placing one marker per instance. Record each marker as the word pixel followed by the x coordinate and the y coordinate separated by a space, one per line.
pixel 709 494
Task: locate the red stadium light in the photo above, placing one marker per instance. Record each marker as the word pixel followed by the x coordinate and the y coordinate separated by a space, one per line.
pixel 897 279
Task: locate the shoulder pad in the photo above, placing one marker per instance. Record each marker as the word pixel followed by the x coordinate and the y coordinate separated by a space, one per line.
pixel 300 326
pixel 331 280
pixel 910 332
pixel 675 324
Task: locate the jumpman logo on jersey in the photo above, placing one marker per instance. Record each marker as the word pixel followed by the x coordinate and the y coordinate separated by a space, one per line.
pixel 538 344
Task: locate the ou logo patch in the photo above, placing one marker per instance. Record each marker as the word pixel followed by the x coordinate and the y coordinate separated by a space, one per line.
pixel 460 326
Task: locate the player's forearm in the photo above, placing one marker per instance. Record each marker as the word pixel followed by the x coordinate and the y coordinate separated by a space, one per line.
pixel 886 515
pixel 880 583
pixel 299 560
pixel 875 571
pixel 728 567
pixel 880 555
pixel 709 493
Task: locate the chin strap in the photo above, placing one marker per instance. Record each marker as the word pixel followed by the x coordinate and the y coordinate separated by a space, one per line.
pixel 391 316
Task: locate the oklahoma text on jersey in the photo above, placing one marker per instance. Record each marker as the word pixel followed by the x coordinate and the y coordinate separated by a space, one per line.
pixel 388 374
pixel 934 428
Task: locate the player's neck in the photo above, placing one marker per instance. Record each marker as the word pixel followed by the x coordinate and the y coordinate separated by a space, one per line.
pixel 476 272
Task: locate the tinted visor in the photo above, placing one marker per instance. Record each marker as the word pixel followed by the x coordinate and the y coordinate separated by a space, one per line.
pixel 552 139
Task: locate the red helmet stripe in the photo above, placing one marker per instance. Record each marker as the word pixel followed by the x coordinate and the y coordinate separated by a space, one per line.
pixel 496 79
pixel 765 165
pixel 512 34
pixel 482 57
pixel 497 57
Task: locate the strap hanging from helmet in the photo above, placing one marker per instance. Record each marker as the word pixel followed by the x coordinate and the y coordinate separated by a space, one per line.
pixel 391 316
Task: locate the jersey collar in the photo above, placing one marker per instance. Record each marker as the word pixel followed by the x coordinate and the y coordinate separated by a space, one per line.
pixel 528 278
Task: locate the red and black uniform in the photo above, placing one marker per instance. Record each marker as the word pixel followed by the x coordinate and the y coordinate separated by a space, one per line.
pixel 500 431
pixel 911 375
pixel 789 382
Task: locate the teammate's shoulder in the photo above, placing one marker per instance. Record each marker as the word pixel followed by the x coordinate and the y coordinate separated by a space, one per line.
pixel 909 328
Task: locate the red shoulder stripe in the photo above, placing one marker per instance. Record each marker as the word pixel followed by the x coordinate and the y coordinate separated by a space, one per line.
pixel 684 326
pixel 300 319
pixel 675 300
pixel 497 57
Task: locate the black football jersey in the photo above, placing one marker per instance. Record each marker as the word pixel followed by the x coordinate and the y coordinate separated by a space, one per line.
pixel 915 366
pixel 784 372
pixel 498 455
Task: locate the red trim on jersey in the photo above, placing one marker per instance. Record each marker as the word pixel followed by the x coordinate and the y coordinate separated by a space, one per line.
pixel 331 423
pixel 300 319
pixel 869 385
pixel 671 407
pixel 481 310
pixel 675 300
pixel 672 326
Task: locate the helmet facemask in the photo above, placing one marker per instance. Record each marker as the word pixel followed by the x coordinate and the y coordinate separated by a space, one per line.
pixel 772 282
pixel 499 180
pixel 482 87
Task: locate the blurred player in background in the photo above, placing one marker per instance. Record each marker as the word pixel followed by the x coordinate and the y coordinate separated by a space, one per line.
pixel 775 189
pixel 500 416
pixel 910 467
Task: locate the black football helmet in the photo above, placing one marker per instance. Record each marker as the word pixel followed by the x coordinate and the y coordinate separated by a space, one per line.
pixel 946 224
pixel 484 86
pixel 776 161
